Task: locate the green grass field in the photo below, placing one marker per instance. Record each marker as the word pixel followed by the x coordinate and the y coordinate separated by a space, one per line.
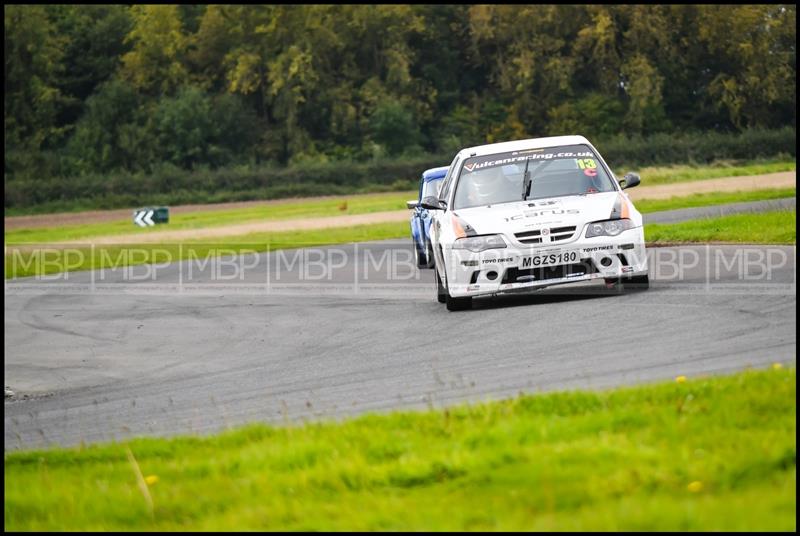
pixel 646 206
pixel 705 454
pixel 721 168
pixel 383 202
pixel 777 227
pixel 362 204
pixel 357 204
pixel 48 260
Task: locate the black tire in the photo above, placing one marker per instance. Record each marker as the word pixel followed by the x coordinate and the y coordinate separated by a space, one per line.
pixel 431 258
pixel 458 304
pixel 441 292
pixel 419 258
pixel 628 284
pixel 640 282
pixel 614 285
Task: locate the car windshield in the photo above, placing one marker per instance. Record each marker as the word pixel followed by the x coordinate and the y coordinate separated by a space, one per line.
pixel 430 188
pixel 553 172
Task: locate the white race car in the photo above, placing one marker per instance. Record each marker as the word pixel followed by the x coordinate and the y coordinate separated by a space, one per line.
pixel 533 213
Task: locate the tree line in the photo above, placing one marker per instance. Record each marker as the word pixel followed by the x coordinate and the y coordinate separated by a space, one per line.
pixel 94 89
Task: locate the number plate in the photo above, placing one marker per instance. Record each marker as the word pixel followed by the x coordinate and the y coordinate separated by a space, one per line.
pixel 552 259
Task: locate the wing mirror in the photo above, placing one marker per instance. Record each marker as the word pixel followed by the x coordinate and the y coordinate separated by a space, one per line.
pixel 412 204
pixel 629 180
pixel 432 203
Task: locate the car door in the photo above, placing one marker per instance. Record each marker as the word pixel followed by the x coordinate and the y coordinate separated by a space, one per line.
pixel 431 188
pixel 439 216
pixel 417 224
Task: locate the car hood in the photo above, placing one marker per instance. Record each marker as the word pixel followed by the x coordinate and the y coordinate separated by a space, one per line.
pixel 539 213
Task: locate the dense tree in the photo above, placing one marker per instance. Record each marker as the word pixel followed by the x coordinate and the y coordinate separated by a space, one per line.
pixel 94 46
pixel 155 65
pixel 112 132
pixel 752 55
pixel 193 128
pixel 100 88
pixel 393 127
pixel 33 53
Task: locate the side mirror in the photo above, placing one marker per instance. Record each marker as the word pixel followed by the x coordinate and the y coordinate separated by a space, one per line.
pixel 432 203
pixel 412 204
pixel 630 180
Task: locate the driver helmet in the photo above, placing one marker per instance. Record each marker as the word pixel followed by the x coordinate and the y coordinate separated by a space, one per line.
pixel 487 183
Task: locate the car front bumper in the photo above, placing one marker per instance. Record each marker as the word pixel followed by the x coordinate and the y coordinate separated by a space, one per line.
pixel 517 267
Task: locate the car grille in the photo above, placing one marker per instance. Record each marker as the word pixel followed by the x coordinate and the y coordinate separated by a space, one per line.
pixel 543 273
pixel 529 237
pixel 556 234
pixel 561 233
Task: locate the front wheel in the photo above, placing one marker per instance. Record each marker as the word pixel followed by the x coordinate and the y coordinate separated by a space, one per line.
pixel 628 284
pixel 640 282
pixel 458 304
pixel 441 293
pixel 431 258
pixel 419 258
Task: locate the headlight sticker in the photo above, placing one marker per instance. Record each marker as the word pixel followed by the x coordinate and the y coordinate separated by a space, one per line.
pixel 620 210
pixel 461 228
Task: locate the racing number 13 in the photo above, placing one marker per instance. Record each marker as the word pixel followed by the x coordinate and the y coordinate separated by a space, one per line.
pixel 587 163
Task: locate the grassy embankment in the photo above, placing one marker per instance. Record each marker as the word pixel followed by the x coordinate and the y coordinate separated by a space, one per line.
pixel 369 203
pixel 771 228
pixel 706 454
pixel 653 175
pixel 777 227
pixel 646 206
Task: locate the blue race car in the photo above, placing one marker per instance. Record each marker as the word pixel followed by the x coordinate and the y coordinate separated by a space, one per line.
pixel 421 220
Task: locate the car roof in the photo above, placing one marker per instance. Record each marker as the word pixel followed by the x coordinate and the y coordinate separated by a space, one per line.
pixel 434 173
pixel 518 145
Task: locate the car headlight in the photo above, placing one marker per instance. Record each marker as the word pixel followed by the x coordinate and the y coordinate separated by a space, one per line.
pixel 477 244
pixel 608 228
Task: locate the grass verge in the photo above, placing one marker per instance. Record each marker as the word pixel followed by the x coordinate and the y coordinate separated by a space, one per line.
pixel 707 454
pixel 362 204
pixel 653 175
pixel 767 228
pixel 34 260
pixel 778 227
pixel 318 208
pixel 712 199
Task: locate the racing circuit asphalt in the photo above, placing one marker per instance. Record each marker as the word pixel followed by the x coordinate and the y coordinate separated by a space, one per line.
pixel 97 356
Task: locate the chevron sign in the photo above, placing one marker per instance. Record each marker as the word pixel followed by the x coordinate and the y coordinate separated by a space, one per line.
pixel 143 218
pixel 147 217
